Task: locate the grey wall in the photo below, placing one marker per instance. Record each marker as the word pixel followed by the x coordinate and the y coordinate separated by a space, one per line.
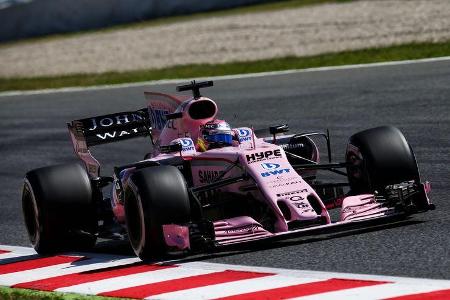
pixel 41 17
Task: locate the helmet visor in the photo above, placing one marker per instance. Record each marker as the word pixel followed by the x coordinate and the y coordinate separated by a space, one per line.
pixel 219 138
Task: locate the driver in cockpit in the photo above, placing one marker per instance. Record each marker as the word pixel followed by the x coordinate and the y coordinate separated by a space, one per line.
pixel 214 134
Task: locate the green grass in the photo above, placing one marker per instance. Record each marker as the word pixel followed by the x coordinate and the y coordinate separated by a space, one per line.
pixel 264 7
pixel 393 53
pixel 23 294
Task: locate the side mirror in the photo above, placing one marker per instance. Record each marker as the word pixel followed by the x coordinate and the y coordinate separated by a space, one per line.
pixel 173 116
pixel 278 129
pixel 171 148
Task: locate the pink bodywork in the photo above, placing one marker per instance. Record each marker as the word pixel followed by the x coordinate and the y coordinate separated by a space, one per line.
pixel 278 184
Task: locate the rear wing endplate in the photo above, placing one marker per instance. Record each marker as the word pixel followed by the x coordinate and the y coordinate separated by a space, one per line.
pixel 106 129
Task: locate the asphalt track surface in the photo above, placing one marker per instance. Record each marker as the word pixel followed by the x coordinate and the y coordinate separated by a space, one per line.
pixel 413 97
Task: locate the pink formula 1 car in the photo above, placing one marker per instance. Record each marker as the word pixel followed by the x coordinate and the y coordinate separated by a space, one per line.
pixel 207 185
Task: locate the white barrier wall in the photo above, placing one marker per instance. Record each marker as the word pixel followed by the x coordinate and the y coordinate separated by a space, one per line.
pixel 41 17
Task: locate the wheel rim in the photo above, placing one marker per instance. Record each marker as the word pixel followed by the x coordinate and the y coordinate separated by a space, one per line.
pixel 31 213
pixel 357 168
pixel 135 222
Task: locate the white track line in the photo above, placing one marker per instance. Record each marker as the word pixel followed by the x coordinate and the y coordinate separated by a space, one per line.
pixel 16 252
pixel 398 286
pixel 10 255
pixel 62 269
pixel 217 78
pixel 319 275
pixel 121 282
pixel 381 291
pixel 234 288
pixel 18 249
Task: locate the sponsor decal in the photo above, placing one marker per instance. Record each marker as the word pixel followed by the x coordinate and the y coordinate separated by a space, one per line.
pixel 293 146
pixel 116 122
pixel 296 198
pixel 187 145
pixel 302 205
pixel 349 209
pixel 114 134
pixel 209 176
pixel 157 117
pixel 223 125
pixel 171 124
pixel 276 172
pixel 280 184
pixel 244 229
pixel 273 169
pixel 270 166
pixel 100 123
pixel 355 209
pixel 284 179
pixel 292 193
pixel 244 135
pixel 263 155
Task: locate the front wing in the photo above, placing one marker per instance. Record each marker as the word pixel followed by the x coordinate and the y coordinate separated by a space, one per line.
pixel 397 204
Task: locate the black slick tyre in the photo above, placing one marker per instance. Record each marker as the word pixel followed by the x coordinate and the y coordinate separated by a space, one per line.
pixel 58 209
pixel 154 196
pixel 379 157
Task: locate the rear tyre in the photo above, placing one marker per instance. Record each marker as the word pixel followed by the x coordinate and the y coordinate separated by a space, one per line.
pixel 58 209
pixel 154 196
pixel 379 157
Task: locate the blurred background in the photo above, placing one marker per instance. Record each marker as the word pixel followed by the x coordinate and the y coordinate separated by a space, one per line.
pixel 57 43
pixel 29 18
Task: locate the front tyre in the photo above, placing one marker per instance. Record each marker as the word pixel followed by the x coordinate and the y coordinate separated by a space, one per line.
pixel 58 209
pixel 153 197
pixel 379 157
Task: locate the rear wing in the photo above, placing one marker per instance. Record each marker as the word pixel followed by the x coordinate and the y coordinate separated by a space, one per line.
pixel 107 129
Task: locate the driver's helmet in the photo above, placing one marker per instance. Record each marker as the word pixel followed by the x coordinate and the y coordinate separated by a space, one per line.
pixel 214 134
